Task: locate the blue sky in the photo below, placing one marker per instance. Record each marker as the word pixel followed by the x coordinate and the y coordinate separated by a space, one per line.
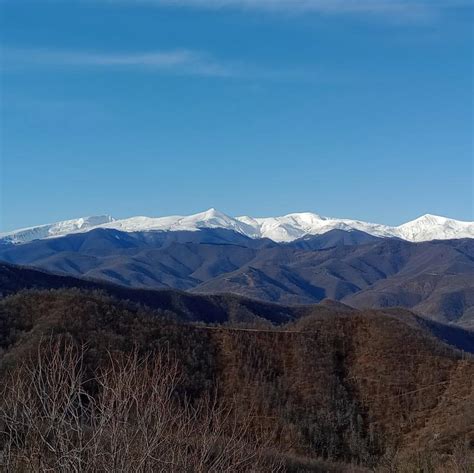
pixel 359 109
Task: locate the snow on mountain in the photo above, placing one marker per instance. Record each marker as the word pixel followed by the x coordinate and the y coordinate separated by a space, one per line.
pixel 433 227
pixel 212 218
pixel 281 229
pixel 293 226
pixel 54 229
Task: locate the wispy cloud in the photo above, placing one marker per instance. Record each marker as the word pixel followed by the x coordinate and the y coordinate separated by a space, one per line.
pixel 180 61
pixel 391 8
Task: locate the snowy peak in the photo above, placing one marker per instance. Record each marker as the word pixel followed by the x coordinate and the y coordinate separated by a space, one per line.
pixel 281 229
pixel 211 218
pixel 297 225
pixel 434 227
pixel 55 229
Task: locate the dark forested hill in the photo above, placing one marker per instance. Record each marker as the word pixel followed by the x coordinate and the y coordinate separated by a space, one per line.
pixel 218 308
pixel 369 388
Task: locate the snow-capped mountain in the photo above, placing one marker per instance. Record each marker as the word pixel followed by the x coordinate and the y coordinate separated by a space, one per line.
pixel 211 218
pixel 280 229
pixel 54 229
pixel 298 225
pixel 433 227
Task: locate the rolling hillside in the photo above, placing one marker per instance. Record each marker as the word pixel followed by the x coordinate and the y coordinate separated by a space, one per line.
pixel 434 278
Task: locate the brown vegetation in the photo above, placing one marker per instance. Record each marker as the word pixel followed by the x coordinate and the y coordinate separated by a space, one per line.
pixel 124 417
pixel 370 389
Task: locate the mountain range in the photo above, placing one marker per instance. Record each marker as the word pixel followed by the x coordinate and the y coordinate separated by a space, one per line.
pixel 280 229
pixel 230 309
pixel 433 278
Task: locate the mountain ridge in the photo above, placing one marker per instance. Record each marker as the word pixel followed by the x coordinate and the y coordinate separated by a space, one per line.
pixel 224 308
pixel 434 278
pixel 282 229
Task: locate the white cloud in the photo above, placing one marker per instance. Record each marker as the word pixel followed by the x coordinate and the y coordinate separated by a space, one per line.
pixel 181 61
pixel 399 8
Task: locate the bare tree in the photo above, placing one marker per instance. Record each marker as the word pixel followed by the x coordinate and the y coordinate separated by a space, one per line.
pixel 43 410
pixel 125 417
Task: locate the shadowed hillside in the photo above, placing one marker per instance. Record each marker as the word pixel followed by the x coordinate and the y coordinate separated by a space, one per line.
pixel 433 278
pixel 214 309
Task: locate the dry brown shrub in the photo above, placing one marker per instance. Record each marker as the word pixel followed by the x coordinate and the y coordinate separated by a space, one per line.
pixel 124 417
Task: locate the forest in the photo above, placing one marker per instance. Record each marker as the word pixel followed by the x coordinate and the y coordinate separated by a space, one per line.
pixel 94 383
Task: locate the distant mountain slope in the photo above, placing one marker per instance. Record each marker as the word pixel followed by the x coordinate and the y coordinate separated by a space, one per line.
pixel 180 260
pixel 218 308
pixel 281 229
pixel 333 238
pixel 435 278
pixel 180 305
